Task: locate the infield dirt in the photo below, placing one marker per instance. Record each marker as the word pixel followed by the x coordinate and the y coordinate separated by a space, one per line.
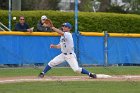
pixel 129 78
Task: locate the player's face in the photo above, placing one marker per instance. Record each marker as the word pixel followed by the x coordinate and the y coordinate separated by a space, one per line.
pixel 66 29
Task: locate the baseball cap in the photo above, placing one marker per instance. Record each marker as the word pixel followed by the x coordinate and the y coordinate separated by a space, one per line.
pixel 43 17
pixel 67 25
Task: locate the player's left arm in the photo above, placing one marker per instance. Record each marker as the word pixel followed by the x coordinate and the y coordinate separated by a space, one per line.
pixel 49 23
pixel 58 31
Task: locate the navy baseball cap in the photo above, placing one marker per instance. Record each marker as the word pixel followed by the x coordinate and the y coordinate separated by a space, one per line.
pixel 67 25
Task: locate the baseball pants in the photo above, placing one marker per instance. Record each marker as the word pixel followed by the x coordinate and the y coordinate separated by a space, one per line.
pixel 70 58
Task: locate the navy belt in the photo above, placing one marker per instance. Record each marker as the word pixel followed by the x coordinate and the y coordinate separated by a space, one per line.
pixel 67 53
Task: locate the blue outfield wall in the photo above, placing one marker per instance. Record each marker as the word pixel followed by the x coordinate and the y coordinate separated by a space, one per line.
pixel 16 49
pixel 27 49
pixel 91 50
pixel 123 50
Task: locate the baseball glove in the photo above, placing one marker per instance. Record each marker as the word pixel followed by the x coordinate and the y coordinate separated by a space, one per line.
pixel 48 23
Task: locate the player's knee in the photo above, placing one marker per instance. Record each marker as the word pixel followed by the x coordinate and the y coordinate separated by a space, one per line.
pixel 77 70
pixel 51 64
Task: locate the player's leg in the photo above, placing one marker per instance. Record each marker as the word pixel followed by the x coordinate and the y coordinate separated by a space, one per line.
pixel 56 61
pixel 71 59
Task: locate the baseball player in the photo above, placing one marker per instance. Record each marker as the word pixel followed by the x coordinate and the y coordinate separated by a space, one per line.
pixel 67 48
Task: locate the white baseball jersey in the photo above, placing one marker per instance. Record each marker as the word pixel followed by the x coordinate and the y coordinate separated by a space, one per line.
pixel 66 42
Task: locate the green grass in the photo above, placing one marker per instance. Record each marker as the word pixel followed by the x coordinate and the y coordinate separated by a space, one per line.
pixel 10 72
pixel 71 87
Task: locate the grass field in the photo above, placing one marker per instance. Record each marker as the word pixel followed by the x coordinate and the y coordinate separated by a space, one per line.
pixel 4 72
pixel 71 87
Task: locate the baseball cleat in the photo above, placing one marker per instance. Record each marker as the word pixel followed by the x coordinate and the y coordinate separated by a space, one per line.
pixel 91 75
pixel 41 75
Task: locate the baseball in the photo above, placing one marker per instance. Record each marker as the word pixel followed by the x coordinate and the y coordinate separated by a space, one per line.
pixel 14 18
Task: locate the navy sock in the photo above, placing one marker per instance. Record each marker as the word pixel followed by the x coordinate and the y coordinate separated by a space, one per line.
pixel 85 72
pixel 47 68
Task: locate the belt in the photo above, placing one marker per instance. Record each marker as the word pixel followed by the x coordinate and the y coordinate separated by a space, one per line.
pixel 67 53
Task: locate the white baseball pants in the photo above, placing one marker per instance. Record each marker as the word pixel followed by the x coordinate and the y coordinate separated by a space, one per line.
pixel 70 58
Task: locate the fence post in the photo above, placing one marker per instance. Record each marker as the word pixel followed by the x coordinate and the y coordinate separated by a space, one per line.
pixel 9 14
pixel 76 30
pixel 106 48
